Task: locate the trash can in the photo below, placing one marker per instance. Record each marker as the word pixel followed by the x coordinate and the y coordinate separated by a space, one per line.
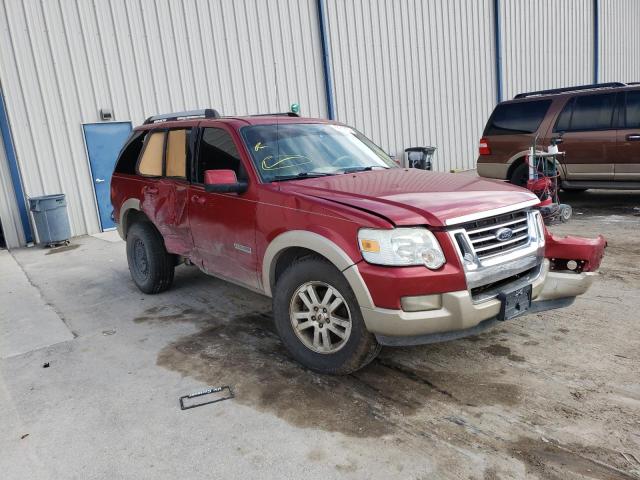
pixel 50 216
pixel 420 157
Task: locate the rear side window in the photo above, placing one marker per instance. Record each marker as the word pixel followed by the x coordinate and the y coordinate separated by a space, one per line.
pixel 130 153
pixel 177 151
pixel 151 161
pixel 587 112
pixel 632 112
pixel 521 117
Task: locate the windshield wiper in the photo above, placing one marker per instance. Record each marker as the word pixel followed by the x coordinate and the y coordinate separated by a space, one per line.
pixel 301 175
pixel 362 169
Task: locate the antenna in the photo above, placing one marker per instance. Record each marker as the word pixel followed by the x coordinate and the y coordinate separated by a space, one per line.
pixel 275 67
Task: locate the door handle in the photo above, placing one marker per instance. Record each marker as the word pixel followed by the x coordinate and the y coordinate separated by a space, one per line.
pixel 198 199
pixel 150 190
pixel 557 140
pixel 99 180
pixel 633 137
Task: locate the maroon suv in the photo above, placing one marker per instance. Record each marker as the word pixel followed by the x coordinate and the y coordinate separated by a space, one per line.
pixel 355 251
pixel 596 126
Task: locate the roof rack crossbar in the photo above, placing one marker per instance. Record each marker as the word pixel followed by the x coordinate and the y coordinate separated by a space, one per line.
pixel 279 114
pixel 592 86
pixel 165 117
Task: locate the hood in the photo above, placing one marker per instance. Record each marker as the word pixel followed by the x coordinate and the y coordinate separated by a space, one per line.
pixel 415 197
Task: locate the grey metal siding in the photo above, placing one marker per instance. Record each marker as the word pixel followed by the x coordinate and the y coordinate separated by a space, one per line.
pixel 546 44
pixel 410 73
pixel 61 61
pixel 619 40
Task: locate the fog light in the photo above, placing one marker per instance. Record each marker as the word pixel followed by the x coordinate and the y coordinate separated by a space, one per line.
pixel 421 303
pixel 572 264
pixel 432 258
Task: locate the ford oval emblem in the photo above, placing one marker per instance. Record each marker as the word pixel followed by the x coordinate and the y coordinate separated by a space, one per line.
pixel 504 234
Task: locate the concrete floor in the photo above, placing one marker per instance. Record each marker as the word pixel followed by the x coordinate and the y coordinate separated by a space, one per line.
pixel 554 395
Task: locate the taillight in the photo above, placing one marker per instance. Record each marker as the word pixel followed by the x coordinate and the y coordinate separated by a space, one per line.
pixel 483 147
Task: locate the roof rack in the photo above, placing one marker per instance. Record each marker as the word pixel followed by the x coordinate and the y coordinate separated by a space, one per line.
pixel 592 86
pixel 279 114
pixel 166 117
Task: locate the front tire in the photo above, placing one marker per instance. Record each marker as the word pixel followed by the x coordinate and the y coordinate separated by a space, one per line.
pixel 151 266
pixel 319 321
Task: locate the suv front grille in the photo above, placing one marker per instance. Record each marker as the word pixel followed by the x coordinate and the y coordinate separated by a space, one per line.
pixel 483 233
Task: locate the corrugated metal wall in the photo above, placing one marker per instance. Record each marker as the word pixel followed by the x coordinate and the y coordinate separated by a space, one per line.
pixel 546 44
pixel 619 46
pixel 63 60
pixel 9 214
pixel 413 72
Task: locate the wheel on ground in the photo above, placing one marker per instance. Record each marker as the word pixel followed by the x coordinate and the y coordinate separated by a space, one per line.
pixel 520 175
pixel 319 320
pixel 150 264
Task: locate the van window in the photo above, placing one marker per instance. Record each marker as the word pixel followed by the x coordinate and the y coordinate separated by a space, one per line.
pixel 592 112
pixel 564 119
pixel 151 161
pixel 177 151
pixel 218 151
pixel 520 117
pixel 130 153
pixel 632 115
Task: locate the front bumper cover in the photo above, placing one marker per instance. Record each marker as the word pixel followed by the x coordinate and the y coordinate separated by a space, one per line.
pixel 461 316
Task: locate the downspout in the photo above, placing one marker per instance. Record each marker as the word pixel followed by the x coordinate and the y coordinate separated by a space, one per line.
pixel 596 41
pixel 326 59
pixel 12 160
pixel 498 50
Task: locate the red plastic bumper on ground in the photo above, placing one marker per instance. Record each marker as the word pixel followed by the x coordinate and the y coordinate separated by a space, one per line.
pixel 588 252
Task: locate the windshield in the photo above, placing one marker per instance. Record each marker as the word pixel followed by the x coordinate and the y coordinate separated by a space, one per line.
pixel 297 150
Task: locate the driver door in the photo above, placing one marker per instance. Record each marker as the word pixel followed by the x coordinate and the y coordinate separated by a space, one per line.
pixel 223 224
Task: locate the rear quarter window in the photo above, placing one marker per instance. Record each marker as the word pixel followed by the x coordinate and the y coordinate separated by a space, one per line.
pixel 130 153
pixel 517 118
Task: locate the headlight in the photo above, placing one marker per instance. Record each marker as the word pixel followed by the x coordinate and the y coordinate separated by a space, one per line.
pixel 401 247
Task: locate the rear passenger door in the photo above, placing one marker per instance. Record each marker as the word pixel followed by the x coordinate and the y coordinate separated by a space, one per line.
pixel 588 135
pixel 627 160
pixel 223 224
pixel 164 165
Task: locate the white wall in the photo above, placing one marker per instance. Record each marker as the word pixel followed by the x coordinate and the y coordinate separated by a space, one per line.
pixel 546 44
pixel 61 61
pixel 619 28
pixel 414 73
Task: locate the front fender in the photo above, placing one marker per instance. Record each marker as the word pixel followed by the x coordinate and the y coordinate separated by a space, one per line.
pixel 323 246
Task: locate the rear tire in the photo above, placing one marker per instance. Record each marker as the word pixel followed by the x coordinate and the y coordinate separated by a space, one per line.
pixel 319 321
pixel 151 266
pixel 520 175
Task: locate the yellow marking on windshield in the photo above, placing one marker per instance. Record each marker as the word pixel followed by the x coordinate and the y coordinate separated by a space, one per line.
pixel 278 164
pixel 259 146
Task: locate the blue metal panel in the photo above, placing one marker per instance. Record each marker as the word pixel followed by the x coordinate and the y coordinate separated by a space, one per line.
pixel 326 59
pixel 13 168
pixel 104 142
pixel 596 41
pixel 498 49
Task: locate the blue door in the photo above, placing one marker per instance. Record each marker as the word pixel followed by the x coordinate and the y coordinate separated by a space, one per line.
pixel 104 141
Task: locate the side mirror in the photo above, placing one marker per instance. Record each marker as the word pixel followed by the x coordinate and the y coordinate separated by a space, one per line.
pixel 223 181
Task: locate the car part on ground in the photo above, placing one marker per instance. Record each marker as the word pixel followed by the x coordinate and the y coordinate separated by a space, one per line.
pixel 184 405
